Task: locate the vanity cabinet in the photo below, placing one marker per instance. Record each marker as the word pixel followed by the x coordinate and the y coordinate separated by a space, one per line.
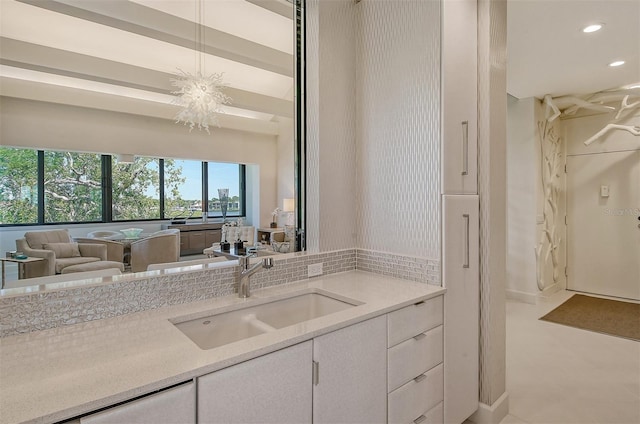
pixel 459 97
pixel 173 405
pixel 274 388
pixel 415 363
pixel 336 377
pixel 385 369
pixel 350 374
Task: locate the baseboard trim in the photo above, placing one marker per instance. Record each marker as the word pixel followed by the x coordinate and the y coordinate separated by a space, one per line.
pixel 530 298
pixel 492 414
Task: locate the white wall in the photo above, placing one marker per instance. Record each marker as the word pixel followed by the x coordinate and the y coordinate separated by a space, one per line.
pixel 27 123
pixel 331 105
pixel 522 165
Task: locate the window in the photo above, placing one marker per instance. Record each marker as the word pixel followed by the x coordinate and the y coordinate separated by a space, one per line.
pixel 18 186
pixel 225 175
pixel 135 189
pixel 182 188
pixel 72 187
pixel 51 187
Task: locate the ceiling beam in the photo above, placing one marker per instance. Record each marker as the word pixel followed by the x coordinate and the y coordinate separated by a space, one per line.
pixel 148 22
pixel 31 90
pixel 20 54
pixel 280 7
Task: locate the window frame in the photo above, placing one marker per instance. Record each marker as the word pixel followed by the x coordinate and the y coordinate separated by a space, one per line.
pixel 107 189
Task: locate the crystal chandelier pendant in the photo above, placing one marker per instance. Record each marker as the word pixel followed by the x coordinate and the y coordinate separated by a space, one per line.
pixel 200 98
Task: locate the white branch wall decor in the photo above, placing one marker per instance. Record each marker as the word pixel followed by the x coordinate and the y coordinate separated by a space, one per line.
pixel 569 105
pixel 548 247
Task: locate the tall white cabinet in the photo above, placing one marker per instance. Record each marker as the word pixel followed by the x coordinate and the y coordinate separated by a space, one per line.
pixel 460 202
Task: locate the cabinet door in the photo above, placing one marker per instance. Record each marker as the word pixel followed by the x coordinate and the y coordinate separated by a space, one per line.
pixel 459 97
pixel 184 242
pixel 175 405
pixel 197 241
pixel 461 305
pixel 274 388
pixel 351 375
pixel 212 236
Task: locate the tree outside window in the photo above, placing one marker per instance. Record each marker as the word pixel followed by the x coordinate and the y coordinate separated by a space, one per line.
pixel 18 186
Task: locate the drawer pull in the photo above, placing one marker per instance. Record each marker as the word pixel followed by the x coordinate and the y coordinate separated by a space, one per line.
pixel 419 303
pixel 465 147
pixel 419 336
pixel 420 419
pixel 420 378
pixel 465 263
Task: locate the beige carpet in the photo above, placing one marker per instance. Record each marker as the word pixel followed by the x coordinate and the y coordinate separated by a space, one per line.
pixel 613 317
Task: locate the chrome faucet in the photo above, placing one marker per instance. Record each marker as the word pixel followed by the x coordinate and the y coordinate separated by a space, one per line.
pixel 244 287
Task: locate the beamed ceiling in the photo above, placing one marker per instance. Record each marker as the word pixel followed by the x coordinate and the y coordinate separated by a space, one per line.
pixel 121 55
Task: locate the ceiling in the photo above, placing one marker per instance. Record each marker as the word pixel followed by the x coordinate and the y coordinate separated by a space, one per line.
pixel 549 54
pixel 121 55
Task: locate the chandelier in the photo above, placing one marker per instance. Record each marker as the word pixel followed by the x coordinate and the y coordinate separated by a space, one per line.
pixel 200 96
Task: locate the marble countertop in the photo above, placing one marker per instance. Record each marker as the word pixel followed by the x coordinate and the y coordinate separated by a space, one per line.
pixel 64 372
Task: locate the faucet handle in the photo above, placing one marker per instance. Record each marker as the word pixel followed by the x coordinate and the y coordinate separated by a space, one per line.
pixel 267 263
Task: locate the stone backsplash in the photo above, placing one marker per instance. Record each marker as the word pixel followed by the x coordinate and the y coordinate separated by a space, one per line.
pixel 24 313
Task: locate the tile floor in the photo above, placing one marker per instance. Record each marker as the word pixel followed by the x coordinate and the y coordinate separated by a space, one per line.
pixel 559 374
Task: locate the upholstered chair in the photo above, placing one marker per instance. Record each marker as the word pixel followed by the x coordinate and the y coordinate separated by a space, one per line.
pixel 115 249
pixel 284 241
pixel 59 251
pixel 247 234
pixel 160 247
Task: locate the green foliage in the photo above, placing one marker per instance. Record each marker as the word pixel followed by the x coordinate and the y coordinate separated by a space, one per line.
pixel 18 186
pixel 72 187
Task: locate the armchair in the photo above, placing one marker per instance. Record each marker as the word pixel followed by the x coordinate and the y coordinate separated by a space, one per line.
pixel 115 249
pixel 284 241
pixel 160 247
pixel 58 250
pixel 247 234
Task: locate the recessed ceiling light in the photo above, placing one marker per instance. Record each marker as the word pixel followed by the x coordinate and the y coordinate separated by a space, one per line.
pixel 617 63
pixel 592 28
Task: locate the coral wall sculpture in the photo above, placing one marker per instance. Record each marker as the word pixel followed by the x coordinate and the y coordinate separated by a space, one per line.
pixel 548 247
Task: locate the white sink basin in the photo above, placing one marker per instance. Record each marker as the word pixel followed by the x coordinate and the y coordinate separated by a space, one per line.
pixel 228 327
pixel 305 307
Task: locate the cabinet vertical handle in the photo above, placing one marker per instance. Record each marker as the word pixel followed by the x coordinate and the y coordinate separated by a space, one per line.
pixel 316 373
pixel 420 419
pixel 465 147
pixel 465 264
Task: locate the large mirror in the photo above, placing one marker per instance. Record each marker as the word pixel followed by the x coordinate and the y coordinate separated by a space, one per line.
pixel 103 128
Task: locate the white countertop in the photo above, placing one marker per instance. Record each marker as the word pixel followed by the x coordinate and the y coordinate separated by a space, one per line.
pixel 60 373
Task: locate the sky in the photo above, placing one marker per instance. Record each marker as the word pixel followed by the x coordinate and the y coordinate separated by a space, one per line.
pixel 223 175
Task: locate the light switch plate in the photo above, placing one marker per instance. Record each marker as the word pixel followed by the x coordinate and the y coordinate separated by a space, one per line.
pixel 314 269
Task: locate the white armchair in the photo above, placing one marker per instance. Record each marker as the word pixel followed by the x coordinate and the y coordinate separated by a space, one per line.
pixel 247 234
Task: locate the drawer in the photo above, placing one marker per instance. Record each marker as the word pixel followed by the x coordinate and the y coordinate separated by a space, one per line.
pixel 410 401
pixel 414 357
pixel 433 416
pixel 412 320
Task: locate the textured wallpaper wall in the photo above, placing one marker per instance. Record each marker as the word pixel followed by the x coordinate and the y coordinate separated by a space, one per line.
pixel 398 127
pixel 373 96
